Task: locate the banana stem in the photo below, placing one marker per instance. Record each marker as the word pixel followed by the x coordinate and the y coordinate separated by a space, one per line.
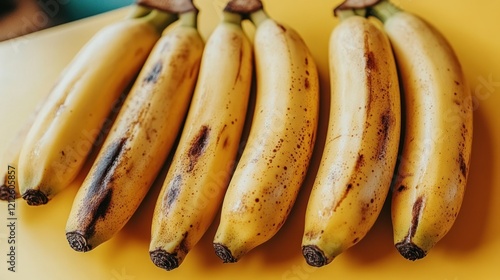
pixel 230 17
pixel 344 14
pixel 189 19
pixel 383 10
pixel 138 11
pixel 258 17
pixel 160 19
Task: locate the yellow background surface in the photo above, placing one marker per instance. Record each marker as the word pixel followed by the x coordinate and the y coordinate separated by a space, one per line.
pixel 30 65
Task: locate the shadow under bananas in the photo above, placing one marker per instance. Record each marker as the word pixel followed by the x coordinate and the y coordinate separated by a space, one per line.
pixel 467 234
pixel 377 243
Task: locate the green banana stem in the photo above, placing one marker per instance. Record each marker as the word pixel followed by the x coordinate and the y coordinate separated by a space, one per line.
pixel 344 14
pixel 189 19
pixel 383 10
pixel 233 18
pixel 159 19
pixel 258 17
pixel 138 11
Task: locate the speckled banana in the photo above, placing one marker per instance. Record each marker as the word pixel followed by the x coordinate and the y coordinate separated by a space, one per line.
pixel 282 136
pixel 361 148
pixel 202 166
pixel 65 131
pixel 140 140
pixel 434 164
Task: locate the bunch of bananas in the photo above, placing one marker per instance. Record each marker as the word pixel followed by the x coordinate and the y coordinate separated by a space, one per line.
pixel 418 141
pixel 400 116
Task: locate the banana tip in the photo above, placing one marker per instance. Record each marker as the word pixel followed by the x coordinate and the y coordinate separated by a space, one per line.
pixel 314 256
pixel 35 197
pixel 163 259
pixel 78 242
pixel 224 253
pixel 410 251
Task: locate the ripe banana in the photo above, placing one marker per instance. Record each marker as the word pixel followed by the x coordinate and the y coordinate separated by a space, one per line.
pixel 362 141
pixel 63 134
pixel 432 174
pixel 282 135
pixel 202 166
pixel 140 140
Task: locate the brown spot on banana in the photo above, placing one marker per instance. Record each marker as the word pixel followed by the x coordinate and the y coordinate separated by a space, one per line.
pixel 173 191
pixel 98 207
pixel 240 59
pixel 184 247
pixel 402 188
pixel 154 73
pixel 463 164
pixel 281 27
pixel 220 134
pixel 198 146
pixel 417 210
pixel 225 143
pixel 406 247
pixel 386 124
pixel 346 192
pixel 105 165
pixel 359 162
pixel 370 61
pixel 98 198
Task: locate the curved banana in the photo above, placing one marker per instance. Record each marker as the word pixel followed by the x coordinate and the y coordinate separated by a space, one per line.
pixel 202 166
pixel 362 141
pixel 432 174
pixel 140 140
pixel 69 123
pixel 276 157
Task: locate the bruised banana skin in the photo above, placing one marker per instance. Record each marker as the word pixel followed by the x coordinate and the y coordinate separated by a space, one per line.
pixel 139 141
pixel 202 166
pixel 361 148
pixel 63 134
pixel 432 174
pixel 276 157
